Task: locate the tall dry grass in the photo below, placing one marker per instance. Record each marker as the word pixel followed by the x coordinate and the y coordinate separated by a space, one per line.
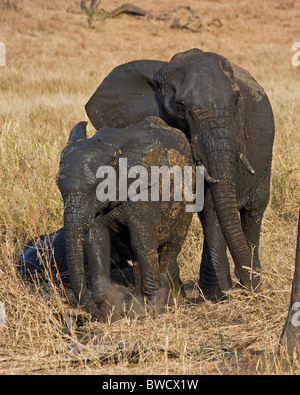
pixel 54 63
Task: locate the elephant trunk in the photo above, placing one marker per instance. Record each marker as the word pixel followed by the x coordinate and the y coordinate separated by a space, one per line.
pixel 218 151
pixel 224 199
pixel 76 225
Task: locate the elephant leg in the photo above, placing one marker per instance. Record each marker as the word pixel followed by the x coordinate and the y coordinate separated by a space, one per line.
pixel 170 270
pixel 251 218
pixel 98 257
pixel 251 224
pixel 214 270
pixel 145 250
pixel 151 284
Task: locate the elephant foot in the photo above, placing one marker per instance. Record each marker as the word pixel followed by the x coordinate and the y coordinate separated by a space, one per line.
pixel 178 297
pixel 158 299
pixel 92 308
pixel 253 285
pixel 118 303
pixel 212 294
pixel 163 298
pixel 214 289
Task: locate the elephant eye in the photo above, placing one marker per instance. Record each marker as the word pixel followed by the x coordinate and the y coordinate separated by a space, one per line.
pixel 237 98
pixel 180 108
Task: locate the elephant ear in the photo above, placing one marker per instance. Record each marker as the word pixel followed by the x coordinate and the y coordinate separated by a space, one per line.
pixel 127 95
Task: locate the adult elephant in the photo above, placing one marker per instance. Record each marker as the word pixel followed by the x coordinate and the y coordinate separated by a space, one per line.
pixel 228 118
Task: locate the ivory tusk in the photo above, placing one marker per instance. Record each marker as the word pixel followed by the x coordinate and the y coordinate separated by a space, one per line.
pixel 208 178
pixel 246 163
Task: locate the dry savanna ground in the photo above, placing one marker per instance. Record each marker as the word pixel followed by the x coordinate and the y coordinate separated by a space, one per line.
pixel 55 61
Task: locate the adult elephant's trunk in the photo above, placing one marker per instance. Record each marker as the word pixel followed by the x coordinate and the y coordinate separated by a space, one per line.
pixel 224 199
pixel 76 225
pixel 219 153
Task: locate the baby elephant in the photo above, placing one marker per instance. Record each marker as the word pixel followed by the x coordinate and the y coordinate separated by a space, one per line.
pixel 112 181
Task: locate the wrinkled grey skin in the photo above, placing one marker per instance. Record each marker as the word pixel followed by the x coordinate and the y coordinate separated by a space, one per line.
pixel 155 231
pixel 47 252
pixel 291 332
pixel 228 119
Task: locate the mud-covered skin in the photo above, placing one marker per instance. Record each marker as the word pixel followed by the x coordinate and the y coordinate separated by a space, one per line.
pixel 155 231
pixel 228 119
pixel 47 252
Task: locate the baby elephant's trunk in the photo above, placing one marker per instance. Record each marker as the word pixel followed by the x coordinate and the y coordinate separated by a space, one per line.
pixel 76 226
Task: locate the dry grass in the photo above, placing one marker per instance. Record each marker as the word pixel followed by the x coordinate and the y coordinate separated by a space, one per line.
pixel 54 63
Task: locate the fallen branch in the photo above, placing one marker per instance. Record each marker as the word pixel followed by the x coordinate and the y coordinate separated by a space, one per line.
pixel 130 9
pixel 182 17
